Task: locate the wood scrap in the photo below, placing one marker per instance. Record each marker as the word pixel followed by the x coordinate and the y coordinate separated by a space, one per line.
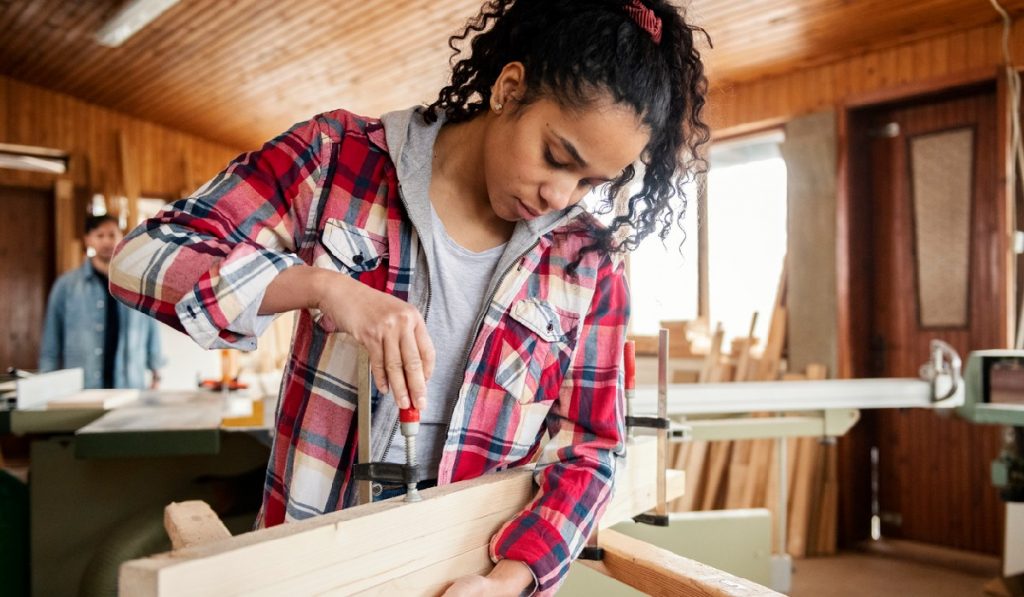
pixel 645 345
pixel 680 376
pixel 193 523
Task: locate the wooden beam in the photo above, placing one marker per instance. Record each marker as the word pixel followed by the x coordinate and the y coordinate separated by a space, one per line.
pixel 130 180
pixel 68 253
pixel 193 523
pixel 656 571
pixel 380 547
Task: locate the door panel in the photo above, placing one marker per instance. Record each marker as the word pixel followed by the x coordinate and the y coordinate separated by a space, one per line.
pixel 26 273
pixel 933 481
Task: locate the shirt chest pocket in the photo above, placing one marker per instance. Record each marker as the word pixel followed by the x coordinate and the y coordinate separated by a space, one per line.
pixel 349 249
pixel 536 346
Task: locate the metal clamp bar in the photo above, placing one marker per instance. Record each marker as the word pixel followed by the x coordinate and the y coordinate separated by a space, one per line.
pixel 659 517
pixel 363 411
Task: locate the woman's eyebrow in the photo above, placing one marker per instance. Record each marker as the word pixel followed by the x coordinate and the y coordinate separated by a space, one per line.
pixel 576 157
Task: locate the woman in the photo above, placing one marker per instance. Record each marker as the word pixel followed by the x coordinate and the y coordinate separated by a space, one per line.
pixel 450 242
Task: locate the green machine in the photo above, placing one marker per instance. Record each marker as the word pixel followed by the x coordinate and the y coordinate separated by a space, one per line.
pixel 994 394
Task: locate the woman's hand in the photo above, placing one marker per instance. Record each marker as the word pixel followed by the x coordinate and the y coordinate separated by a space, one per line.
pixel 392 330
pixel 509 577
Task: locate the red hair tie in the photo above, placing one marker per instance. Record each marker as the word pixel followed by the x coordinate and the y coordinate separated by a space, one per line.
pixel 646 18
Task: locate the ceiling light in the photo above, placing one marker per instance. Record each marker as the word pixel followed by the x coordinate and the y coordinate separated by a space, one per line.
pixel 130 19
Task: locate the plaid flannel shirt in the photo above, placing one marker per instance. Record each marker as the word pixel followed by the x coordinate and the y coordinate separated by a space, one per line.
pixel 545 361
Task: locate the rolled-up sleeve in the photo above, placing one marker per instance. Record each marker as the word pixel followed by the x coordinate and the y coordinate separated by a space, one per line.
pixel 204 264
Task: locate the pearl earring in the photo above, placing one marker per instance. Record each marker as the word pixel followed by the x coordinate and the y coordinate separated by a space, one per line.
pixel 497 107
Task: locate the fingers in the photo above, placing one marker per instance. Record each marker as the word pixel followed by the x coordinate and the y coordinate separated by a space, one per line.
pixel 426 348
pixel 412 363
pixel 407 359
pixel 380 375
pixel 395 336
pixel 394 369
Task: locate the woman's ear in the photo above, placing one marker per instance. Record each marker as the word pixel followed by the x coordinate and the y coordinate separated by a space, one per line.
pixel 509 87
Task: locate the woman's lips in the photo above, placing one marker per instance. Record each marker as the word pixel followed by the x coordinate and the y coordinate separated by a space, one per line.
pixel 525 211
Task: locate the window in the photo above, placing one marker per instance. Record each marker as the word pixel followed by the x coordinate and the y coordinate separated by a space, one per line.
pixel 663 277
pixel 746 229
pixel 746 232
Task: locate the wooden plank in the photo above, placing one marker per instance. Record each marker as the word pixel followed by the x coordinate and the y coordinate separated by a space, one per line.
pixel 656 571
pixel 824 506
pixel 67 254
pixel 776 339
pixel 104 399
pixel 695 469
pixel 193 523
pixel 762 462
pixel 739 474
pixel 828 507
pixel 800 498
pixel 366 547
pixel 718 458
pixel 803 510
pixel 712 362
pixel 129 177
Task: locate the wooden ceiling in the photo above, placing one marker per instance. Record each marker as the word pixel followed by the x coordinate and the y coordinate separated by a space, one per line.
pixel 240 72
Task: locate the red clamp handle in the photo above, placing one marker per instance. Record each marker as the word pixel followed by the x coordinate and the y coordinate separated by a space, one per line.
pixel 629 358
pixel 409 415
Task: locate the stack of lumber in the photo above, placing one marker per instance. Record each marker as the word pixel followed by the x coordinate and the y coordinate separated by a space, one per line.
pixel 744 474
pixel 688 338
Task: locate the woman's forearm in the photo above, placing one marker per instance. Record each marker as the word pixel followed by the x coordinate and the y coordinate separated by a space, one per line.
pixel 298 287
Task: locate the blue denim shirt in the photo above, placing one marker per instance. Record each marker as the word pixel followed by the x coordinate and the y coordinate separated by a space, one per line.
pixel 73 332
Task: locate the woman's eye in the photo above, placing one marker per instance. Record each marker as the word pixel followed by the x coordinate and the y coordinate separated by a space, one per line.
pixel 550 159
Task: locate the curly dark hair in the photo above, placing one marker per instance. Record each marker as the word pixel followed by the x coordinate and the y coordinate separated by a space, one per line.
pixel 575 50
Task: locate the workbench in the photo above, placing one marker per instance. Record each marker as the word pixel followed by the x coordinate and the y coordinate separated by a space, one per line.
pixel 99 481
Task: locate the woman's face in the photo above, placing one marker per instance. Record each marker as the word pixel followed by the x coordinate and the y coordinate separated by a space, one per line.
pixel 541 157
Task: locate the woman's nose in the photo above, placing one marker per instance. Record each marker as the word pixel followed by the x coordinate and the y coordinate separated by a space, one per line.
pixel 557 192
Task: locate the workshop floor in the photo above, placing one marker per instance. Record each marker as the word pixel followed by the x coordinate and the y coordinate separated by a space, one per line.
pixel 905 571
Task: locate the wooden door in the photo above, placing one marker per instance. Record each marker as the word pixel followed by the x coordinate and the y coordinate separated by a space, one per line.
pixel 26 272
pixel 926 264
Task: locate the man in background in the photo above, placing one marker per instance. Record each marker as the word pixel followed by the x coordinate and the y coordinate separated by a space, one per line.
pixel 86 327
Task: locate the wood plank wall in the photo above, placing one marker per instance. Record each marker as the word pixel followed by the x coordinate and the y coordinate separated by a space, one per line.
pixel 736 107
pixel 31 115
